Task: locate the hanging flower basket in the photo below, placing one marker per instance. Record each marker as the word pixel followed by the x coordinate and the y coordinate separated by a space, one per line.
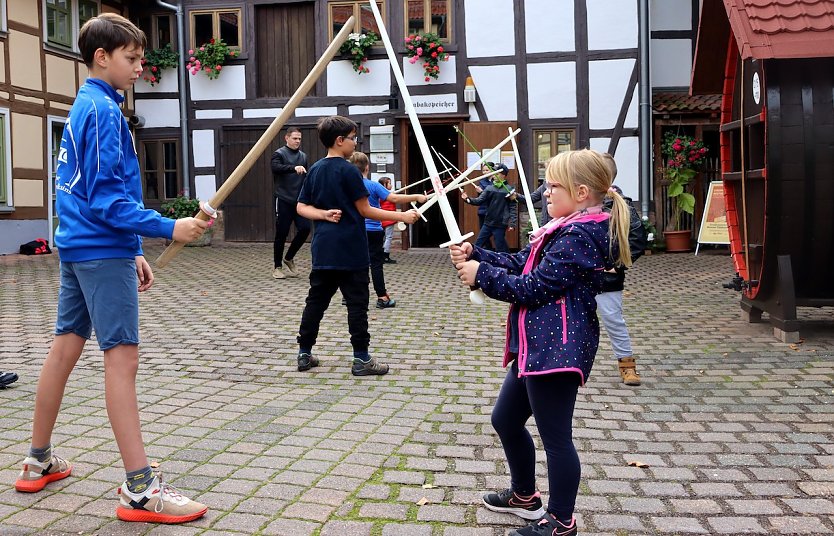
pixel 428 49
pixel 357 46
pixel 156 61
pixel 210 58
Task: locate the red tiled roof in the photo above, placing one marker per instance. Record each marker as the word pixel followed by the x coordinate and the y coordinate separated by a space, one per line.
pixel 667 102
pixel 762 29
pixel 782 28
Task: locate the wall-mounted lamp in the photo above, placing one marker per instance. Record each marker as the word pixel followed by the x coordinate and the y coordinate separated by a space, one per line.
pixel 469 94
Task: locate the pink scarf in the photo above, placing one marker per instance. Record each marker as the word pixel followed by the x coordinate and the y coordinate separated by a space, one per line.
pixel 552 225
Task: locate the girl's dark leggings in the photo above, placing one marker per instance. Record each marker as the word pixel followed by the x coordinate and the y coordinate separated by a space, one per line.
pixel 549 398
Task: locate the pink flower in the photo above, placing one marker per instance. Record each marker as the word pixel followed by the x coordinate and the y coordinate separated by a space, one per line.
pixel 440 49
pixel 191 52
pixel 218 67
pixel 413 59
pixel 203 49
pixel 428 79
pixel 434 54
pixel 153 79
pixel 410 47
pixel 419 51
pixel 417 37
pixel 192 58
pixel 153 68
pixel 208 69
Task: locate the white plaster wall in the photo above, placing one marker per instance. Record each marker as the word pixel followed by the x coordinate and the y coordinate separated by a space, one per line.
pixel 414 74
pixel 231 84
pixel 551 89
pixel 213 114
pixel 612 24
pixel 262 112
pixel 671 62
pixel 627 157
pixel 600 144
pixel 496 91
pixel 632 119
pixel 315 112
pixel 204 187
pixel 489 28
pixel 670 14
pixel 168 84
pixel 202 142
pixel 342 80
pixel 546 33
pixel 16 232
pixel 365 110
pixel 607 83
pixel 159 112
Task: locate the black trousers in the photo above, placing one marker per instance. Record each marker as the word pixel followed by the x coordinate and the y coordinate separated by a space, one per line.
pixel 376 241
pixel 550 399
pixel 284 219
pixel 323 285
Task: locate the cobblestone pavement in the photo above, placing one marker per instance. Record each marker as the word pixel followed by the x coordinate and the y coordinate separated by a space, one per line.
pixel 733 426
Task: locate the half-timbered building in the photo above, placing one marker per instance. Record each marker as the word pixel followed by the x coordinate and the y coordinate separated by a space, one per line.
pixel 563 71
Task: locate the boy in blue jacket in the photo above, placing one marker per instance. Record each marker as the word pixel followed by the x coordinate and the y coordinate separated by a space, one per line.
pixel 102 219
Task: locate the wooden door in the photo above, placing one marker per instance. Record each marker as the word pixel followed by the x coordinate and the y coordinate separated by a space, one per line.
pixel 485 135
pixel 250 209
pixel 285 47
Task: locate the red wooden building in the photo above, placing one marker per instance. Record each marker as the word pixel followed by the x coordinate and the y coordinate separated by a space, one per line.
pixel 773 61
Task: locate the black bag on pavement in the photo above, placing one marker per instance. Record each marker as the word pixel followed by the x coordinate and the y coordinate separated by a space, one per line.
pixel 38 246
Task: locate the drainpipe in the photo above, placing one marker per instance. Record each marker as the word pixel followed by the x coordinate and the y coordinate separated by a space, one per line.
pixel 646 145
pixel 184 146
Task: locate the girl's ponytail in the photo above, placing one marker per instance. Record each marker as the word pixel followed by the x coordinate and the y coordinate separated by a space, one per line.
pixel 618 227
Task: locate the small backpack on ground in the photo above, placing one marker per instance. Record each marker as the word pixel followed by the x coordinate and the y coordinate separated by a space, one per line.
pixel 38 246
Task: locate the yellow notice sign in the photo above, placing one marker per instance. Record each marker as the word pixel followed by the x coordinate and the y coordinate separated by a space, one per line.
pixel 714 224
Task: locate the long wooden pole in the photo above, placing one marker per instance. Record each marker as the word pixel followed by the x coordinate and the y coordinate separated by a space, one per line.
pixel 266 138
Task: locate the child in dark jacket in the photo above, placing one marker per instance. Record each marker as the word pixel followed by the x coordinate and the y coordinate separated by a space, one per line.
pixel 552 332
pixel 501 212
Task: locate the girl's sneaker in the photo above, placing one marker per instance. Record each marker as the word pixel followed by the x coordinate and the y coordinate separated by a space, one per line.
pixel 36 475
pixel 547 526
pixel 510 502
pixel 160 503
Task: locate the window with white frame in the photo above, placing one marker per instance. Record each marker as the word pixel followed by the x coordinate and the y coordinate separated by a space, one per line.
pixel 208 24
pixel 63 19
pixel 5 160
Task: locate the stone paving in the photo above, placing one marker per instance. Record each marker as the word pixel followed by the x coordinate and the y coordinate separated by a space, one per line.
pixel 732 429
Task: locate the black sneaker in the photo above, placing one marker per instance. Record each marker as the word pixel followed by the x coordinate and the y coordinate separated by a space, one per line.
pixel 389 260
pixel 368 368
pixel 509 502
pixel 385 304
pixel 307 361
pixel 547 526
pixel 7 378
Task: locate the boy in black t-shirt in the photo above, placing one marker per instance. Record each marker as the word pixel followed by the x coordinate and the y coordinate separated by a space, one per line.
pixel 335 196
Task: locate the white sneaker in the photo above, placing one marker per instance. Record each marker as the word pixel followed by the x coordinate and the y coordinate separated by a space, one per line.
pixel 290 267
pixel 160 503
pixel 277 273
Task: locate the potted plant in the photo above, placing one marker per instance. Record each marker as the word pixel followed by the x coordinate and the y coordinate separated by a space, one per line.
pixel 185 207
pixel 210 58
pixel 683 156
pixel 357 46
pixel 156 61
pixel 427 48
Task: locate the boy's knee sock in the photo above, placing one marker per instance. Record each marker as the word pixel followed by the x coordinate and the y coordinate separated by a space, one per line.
pixel 138 481
pixel 43 455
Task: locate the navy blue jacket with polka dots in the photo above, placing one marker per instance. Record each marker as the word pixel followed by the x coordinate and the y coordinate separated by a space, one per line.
pixel 551 285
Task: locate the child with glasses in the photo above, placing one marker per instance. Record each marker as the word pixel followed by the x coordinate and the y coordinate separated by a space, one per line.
pixel 552 332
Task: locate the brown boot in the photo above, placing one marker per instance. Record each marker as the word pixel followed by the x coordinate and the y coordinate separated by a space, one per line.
pixel 628 371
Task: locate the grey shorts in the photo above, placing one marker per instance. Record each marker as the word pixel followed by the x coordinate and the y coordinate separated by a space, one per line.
pixel 101 295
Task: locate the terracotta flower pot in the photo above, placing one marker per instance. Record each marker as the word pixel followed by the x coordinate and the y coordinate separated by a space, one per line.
pixel 678 241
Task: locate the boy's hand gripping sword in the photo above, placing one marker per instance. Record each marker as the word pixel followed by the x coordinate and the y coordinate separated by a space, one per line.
pixel 209 209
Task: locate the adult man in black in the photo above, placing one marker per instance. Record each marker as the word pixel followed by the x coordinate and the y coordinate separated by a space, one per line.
pixel 289 169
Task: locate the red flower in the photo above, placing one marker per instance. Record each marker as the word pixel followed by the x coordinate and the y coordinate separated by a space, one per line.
pixel 211 41
pixel 434 54
pixel 428 79
pixel 440 49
